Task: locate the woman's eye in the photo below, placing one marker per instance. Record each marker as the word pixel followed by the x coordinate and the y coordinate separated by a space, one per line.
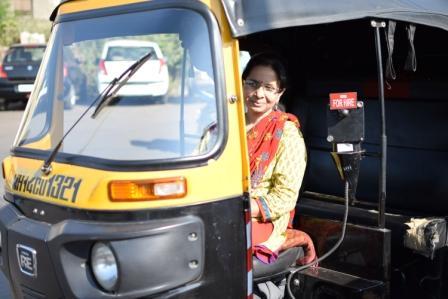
pixel 269 88
pixel 251 84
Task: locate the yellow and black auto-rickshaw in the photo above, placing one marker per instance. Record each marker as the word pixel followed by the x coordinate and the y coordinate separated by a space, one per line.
pixel 137 187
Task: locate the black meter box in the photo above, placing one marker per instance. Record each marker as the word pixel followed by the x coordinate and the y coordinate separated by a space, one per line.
pixel 346 125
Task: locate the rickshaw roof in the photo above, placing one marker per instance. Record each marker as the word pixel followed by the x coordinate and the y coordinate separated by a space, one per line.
pixel 250 16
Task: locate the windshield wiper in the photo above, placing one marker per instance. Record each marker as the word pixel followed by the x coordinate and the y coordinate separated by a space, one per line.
pixel 121 80
pixel 103 98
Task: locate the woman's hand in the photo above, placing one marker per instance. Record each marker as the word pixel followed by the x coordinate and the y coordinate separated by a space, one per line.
pixel 254 209
pixel 295 238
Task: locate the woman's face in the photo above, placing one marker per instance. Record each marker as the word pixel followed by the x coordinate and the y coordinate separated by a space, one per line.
pixel 261 90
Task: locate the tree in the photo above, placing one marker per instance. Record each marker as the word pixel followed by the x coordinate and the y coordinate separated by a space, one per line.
pixel 3 8
pixel 9 32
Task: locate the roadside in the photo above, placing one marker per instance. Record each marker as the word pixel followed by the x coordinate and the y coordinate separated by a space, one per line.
pixel 9 123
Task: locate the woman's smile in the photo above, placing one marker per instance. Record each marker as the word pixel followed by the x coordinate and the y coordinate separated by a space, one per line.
pixel 257 102
pixel 261 91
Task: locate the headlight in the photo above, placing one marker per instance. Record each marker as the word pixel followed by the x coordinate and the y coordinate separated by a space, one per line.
pixel 104 266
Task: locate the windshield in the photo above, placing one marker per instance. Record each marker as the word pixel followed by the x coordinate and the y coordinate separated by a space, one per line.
pixel 26 54
pixel 162 112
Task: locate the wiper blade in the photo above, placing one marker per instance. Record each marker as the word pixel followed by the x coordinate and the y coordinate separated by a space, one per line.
pixel 118 84
pixel 104 98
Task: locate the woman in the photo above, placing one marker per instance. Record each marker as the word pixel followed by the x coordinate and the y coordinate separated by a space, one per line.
pixel 277 161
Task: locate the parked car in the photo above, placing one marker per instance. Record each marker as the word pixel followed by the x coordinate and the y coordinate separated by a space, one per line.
pixel 151 79
pixel 18 72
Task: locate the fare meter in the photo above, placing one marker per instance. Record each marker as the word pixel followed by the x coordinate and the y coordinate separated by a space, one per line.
pixel 345 120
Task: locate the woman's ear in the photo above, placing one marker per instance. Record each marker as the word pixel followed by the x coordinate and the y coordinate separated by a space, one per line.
pixel 280 94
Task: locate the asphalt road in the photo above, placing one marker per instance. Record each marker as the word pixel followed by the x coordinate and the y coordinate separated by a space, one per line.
pixel 9 123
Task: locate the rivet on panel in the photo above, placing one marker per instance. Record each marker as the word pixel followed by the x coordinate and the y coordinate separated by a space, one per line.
pixel 192 237
pixel 193 264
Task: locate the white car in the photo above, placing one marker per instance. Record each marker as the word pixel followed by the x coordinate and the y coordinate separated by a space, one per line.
pixel 151 79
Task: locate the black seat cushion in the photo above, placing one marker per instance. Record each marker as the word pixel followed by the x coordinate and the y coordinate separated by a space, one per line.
pixel 285 259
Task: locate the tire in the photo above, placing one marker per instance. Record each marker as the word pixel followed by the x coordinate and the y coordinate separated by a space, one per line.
pixel 163 99
pixel 3 104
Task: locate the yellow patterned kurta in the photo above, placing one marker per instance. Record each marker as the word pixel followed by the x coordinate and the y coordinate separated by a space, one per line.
pixel 278 190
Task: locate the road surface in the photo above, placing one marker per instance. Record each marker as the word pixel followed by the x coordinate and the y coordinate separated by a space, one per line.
pixel 9 123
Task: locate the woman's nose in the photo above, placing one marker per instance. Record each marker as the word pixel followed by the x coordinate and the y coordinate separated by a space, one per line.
pixel 259 92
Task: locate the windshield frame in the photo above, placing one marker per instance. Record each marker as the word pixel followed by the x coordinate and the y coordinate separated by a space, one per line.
pixel 151 164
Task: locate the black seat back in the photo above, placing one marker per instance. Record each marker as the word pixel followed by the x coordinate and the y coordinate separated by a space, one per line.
pixel 286 259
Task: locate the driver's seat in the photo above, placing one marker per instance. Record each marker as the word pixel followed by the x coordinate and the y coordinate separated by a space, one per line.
pixel 281 267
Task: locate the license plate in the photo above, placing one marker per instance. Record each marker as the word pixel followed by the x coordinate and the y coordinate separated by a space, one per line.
pixel 25 87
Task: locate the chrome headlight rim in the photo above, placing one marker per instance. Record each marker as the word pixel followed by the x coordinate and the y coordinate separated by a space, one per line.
pixel 101 284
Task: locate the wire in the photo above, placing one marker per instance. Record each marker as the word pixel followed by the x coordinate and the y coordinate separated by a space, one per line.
pixel 323 257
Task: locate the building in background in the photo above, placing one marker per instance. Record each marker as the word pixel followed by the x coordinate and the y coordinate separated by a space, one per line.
pixel 38 9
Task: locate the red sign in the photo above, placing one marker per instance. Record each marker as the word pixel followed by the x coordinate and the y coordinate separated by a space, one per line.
pixel 343 100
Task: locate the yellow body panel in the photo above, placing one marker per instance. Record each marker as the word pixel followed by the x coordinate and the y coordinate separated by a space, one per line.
pixel 218 179
pixel 44 143
pixel 223 178
pixel 82 5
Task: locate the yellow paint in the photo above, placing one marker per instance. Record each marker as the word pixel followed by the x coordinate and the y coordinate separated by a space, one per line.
pixel 215 181
pixel 44 143
pixel 223 178
pixel 83 5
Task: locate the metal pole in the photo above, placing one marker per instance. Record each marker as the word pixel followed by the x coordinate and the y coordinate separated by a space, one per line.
pixel 382 179
pixel 182 104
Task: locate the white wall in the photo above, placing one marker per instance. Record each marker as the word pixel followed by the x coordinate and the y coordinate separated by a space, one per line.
pixel 43 8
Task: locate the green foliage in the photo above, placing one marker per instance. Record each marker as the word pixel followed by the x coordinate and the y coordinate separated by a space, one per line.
pixel 11 25
pixel 87 54
pixel 172 50
pixel 28 23
pixel 9 31
pixel 4 5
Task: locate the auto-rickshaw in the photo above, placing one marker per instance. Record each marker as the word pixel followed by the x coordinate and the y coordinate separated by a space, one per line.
pixel 128 194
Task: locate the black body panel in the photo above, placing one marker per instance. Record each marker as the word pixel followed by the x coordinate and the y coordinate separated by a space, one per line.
pixel 417 151
pixel 63 252
pixel 372 253
pixel 323 283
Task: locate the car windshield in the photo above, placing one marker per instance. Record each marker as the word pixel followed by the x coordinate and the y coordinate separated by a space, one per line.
pixel 162 112
pixel 28 54
pixel 123 53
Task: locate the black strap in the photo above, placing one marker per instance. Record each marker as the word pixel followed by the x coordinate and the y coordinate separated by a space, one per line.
pixel 390 32
pixel 411 59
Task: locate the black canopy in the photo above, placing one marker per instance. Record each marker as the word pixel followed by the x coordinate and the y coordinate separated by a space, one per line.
pixel 251 16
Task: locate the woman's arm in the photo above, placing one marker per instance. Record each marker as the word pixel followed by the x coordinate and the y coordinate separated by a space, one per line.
pixel 286 178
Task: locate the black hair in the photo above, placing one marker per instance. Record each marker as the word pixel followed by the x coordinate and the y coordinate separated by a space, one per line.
pixel 271 60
